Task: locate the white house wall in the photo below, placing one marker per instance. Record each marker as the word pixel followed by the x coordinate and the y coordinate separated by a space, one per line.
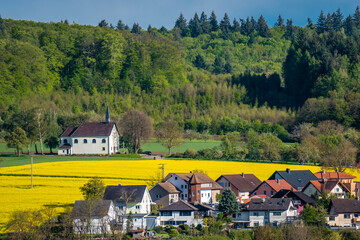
pixel 206 196
pixel 177 183
pixel 90 148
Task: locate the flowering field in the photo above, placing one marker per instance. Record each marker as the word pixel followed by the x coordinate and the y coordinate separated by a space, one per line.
pixel 57 183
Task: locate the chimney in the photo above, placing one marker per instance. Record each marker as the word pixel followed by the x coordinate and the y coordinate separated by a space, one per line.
pixel 243 175
pixel 278 181
pixel 190 171
pixel 119 184
pixel 288 170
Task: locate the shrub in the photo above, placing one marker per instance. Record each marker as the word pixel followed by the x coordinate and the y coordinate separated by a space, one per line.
pixel 190 153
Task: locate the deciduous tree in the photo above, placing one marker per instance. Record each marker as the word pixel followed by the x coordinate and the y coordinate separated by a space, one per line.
pixel 169 134
pixel 93 190
pixel 228 203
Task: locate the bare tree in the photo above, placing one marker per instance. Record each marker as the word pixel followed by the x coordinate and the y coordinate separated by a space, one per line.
pixel 136 128
pixel 40 128
pixel 169 134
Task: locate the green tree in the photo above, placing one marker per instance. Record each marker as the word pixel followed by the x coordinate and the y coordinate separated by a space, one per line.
pixel 93 190
pixel 52 142
pixel 262 27
pixel 205 24
pixel 181 24
pixel 228 203
pixel 169 134
pixel 16 139
pixel 213 22
pixel 314 215
pixel 199 62
pixel 103 23
pixel 129 223
pixel 270 147
pixel 136 28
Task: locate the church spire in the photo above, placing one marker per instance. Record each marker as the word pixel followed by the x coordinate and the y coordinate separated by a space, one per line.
pixel 107 116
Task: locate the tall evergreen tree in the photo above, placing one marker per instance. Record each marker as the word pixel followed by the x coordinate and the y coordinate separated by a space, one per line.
pixel 200 62
pixel 136 28
pixel 205 24
pixel 103 23
pixel 357 17
pixel 247 27
pixel 337 20
pixel 320 25
pixel 280 22
pixel 228 203
pixel 225 26
pixel 218 66
pixel 120 25
pixel 349 26
pixel 213 22
pixel 182 25
pixel 329 26
pixel 194 26
pixel 227 67
pixel 289 32
pixel 262 27
pixel 236 26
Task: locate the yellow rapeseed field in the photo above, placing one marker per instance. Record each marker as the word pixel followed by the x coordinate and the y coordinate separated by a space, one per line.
pixel 57 183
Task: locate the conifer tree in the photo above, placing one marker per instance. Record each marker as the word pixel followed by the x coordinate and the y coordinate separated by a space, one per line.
pixel 194 26
pixel 357 17
pixel 236 26
pixel 225 25
pixel 120 25
pixel 320 25
pixel 182 25
pixel 337 20
pixel 349 26
pixel 280 22
pixel 205 24
pixel 329 26
pixel 200 62
pixel 213 22
pixel 136 28
pixel 262 27
pixel 103 23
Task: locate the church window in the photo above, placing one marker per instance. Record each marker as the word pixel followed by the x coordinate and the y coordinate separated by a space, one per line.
pixel 104 140
pixel 65 141
pixel 94 141
pixel 76 141
pixel 103 149
pixel 85 140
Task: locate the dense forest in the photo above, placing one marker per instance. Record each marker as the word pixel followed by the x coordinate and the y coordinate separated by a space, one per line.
pixel 209 75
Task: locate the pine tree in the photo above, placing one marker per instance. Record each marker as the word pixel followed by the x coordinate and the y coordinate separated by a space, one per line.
pixel 337 20
pixel 120 25
pixel 136 28
pixel 228 203
pixel 194 26
pixel 218 65
pixel 357 17
pixel 227 67
pixel 182 25
pixel 349 26
pixel 200 62
pixel 329 26
pixel 247 27
pixel 262 27
pixel 213 22
pixel 280 22
pixel 236 26
pixel 103 23
pixel 320 25
pixel 205 24
pixel 289 33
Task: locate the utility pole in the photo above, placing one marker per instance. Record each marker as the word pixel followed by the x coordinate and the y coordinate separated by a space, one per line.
pixel 163 170
pixel 31 172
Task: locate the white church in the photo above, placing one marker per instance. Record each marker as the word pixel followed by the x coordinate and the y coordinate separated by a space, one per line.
pixel 90 138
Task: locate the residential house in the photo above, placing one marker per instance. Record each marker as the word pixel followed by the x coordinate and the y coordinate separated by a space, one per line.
pixel 299 199
pixel 271 187
pixel 195 187
pixel 344 213
pixel 296 178
pixel 164 193
pixel 134 199
pixel 90 138
pixel 259 212
pixel 317 187
pixel 345 178
pixel 178 213
pixel 240 184
pixel 93 217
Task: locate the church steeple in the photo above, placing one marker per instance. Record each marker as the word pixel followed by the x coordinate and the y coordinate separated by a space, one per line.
pixel 107 116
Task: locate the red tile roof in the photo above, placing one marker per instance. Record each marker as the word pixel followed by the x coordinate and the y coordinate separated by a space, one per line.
pixel 195 178
pixel 277 185
pixel 333 175
pixel 328 185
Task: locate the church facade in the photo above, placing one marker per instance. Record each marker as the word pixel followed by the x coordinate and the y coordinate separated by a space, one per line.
pixel 90 138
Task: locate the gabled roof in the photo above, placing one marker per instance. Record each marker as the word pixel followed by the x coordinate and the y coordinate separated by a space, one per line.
pixel 345 205
pixel 271 204
pixel 179 206
pixel 90 129
pixel 202 207
pixel 255 197
pixel 296 178
pixel 68 132
pixel 99 208
pixel 327 185
pixel 291 194
pixel 243 182
pixel 129 194
pixel 195 178
pixel 184 176
pixel 276 185
pixel 65 146
pixel 168 187
pixel 333 175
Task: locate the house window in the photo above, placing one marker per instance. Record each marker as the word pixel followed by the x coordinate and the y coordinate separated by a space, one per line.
pixel 198 192
pixel 264 192
pixel 76 141
pixel 265 185
pixel 65 141
pixel 332 218
pixel 185 213
pixel 103 149
pixel 193 194
pixel 185 195
pixel 166 214
pixel 347 215
pixel 94 141
pixel 272 193
pixel 337 189
pixel 356 215
pixel 182 186
pixel 234 215
pixel 256 224
pixel 208 194
pixel 202 195
pixel 255 214
pixel 137 207
pixel 175 178
pixel 63 151
pixel 85 140
pixel 185 186
pixel 277 213
pixel 103 141
pixel 158 196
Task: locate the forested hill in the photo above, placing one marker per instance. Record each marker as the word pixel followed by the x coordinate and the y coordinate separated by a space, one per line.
pixel 203 72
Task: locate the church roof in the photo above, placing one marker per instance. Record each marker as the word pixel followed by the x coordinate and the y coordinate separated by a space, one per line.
pixel 90 129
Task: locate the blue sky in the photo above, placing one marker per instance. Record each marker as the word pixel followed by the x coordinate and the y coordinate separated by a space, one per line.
pixel 164 12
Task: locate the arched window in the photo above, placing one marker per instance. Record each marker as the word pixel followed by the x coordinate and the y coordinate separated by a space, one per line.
pixel 94 140
pixel 76 141
pixel 104 140
pixel 65 141
pixel 85 140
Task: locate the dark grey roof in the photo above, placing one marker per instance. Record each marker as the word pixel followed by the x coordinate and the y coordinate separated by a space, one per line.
pixel 271 204
pixel 284 193
pixel 129 194
pixel 179 206
pixel 202 207
pixel 296 178
pixel 99 208
pixel 243 182
pixel 345 205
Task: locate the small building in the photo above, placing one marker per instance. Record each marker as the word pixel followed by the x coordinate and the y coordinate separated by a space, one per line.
pixel 90 138
pixel 164 193
pixel 299 199
pixel 271 187
pixel 240 184
pixel 195 187
pixel 334 176
pixel 93 217
pixel 344 213
pixel 296 178
pixel 273 211
pixel 317 187
pixel 178 213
